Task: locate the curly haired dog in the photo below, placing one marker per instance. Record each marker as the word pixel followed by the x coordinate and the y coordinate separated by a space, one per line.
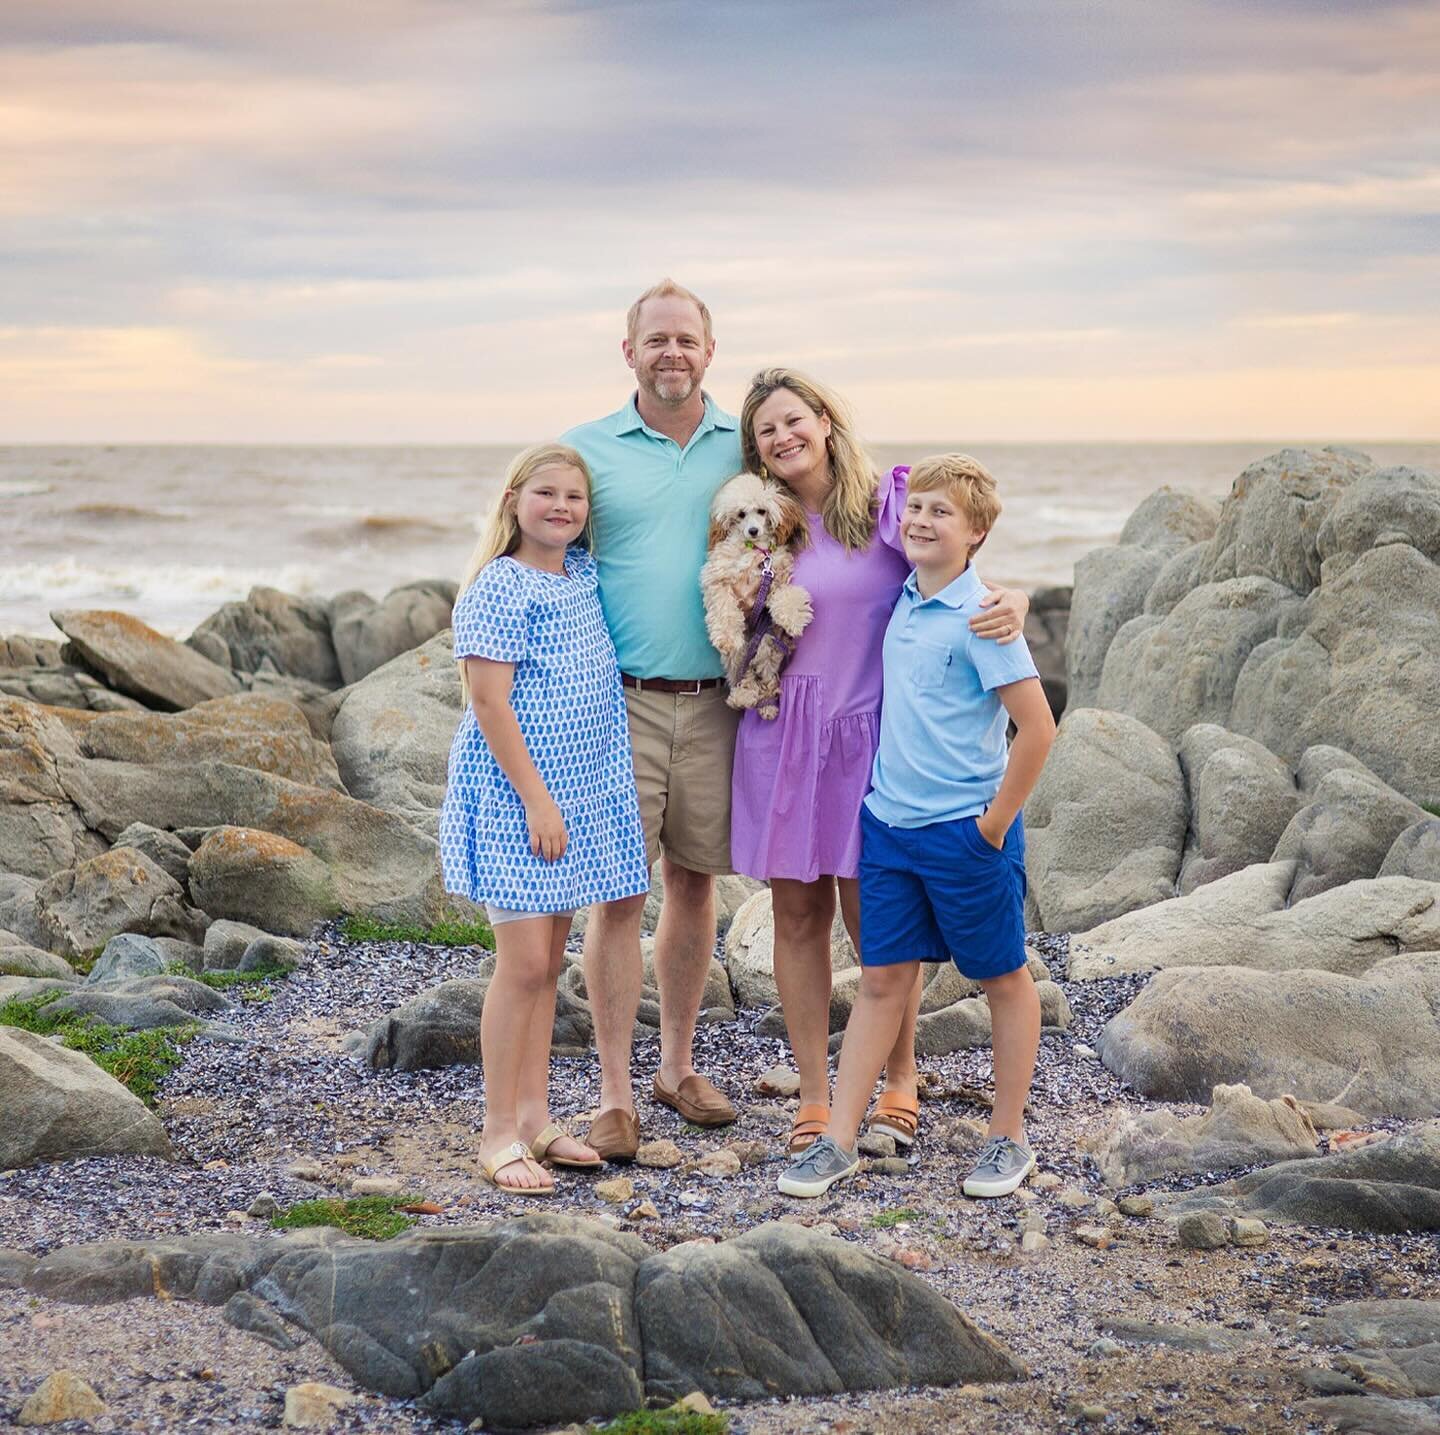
pixel 753 611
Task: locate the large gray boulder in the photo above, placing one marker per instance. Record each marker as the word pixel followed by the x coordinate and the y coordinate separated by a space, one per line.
pixel 393 732
pixel 1390 1187
pixel 1270 523
pixel 128 955
pixel 1393 505
pixel 248 875
pixel 1344 832
pixel 1371 1042
pixel 1171 516
pixel 1110 589
pixel 1242 920
pixel 1241 799
pixel 289 633
pixel 1415 853
pixel 1105 824
pixel 163 848
pixel 17 908
pixel 368 634
pixel 18 958
pixel 134 659
pixel 1174 671
pixel 1175 580
pixel 59 1105
pixel 141 1003
pixel 81 908
pixel 1362 674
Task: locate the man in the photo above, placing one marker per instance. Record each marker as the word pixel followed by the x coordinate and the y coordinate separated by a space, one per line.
pixel 655 465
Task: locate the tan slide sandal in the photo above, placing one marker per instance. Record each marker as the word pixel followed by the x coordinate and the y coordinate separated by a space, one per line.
pixel 547 1137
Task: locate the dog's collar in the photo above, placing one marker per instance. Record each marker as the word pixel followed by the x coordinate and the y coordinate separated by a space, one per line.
pixel 751 543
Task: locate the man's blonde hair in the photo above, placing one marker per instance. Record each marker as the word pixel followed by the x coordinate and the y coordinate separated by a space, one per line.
pixel 968 482
pixel 666 289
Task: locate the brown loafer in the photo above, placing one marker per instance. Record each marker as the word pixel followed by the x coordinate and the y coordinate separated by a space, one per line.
pixel 697 1100
pixel 614 1135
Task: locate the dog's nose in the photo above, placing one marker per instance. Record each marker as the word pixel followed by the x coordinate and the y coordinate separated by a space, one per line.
pixel 754 530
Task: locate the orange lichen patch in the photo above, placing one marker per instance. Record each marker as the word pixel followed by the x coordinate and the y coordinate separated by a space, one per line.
pixel 27 762
pixel 247 847
pixel 74 720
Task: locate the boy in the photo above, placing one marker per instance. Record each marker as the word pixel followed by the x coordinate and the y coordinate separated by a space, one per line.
pixel 942 858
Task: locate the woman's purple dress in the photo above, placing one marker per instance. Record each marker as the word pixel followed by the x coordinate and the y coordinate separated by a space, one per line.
pixel 800 779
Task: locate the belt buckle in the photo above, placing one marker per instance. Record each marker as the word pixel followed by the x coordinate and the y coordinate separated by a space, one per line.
pixel 692 692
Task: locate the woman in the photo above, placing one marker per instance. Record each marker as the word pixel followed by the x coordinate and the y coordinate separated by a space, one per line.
pixel 800 779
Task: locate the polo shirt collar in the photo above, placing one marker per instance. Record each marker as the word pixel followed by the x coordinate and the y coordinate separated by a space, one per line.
pixel 954 594
pixel 628 420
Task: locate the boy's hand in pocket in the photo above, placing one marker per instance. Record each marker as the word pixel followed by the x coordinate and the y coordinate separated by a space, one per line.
pixel 548 838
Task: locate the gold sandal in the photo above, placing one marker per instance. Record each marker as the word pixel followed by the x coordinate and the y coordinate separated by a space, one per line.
pixel 516 1151
pixel 546 1138
pixel 811 1123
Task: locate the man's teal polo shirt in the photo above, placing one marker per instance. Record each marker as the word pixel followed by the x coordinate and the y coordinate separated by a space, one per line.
pixel 942 750
pixel 651 517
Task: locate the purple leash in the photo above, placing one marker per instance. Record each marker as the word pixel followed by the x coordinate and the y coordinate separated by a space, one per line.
pixel 760 621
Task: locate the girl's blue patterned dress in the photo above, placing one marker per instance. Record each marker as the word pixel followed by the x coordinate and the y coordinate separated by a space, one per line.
pixel 571 710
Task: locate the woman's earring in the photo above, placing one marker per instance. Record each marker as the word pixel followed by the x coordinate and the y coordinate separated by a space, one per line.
pixel 763 474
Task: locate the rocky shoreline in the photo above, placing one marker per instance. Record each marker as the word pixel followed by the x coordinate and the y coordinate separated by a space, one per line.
pixel 1234 862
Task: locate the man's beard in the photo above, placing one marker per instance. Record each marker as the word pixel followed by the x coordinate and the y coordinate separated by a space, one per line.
pixel 673 386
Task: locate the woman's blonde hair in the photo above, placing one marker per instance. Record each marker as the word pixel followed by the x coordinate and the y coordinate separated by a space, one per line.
pixel 849 508
pixel 502 533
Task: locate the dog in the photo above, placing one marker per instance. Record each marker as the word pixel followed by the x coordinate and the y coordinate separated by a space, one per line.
pixel 753 612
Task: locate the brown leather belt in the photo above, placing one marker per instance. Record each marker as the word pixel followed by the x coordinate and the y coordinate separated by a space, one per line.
pixel 691 687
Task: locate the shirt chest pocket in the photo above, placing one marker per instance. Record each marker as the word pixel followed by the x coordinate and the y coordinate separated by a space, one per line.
pixel 929 664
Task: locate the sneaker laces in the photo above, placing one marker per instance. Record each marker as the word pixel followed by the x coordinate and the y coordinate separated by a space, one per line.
pixel 992 1150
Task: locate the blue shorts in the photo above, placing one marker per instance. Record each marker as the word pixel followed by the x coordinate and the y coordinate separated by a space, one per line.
pixel 942 893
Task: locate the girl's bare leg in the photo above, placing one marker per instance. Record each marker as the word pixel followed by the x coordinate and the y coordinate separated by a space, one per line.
pixel 804 912
pixel 879 1010
pixel 533 1102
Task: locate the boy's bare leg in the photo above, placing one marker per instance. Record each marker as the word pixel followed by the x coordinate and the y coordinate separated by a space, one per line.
pixel 612 980
pixel 804 912
pixel 1015 1037
pixel 684 949
pixel 874 1022
pixel 533 1102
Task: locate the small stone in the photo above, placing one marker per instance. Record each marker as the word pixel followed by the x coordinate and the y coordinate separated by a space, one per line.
pixel 60 1396
pixel 236 1217
pixel 1080 1410
pixel 1354 1140
pixel 1024 1195
pixel 1045 1181
pixel 1203 1231
pixel 314 1404
pixel 720 1163
pixel 263 1206
pixel 825 1228
pixel 1104 1206
pixel 375 1186
pixel 1136 1206
pixel 751 1153
pixel 659 1155
pixel 888 1166
pixel 1033 1241
pixel 910 1257
pixel 778 1081
pixel 645 1211
pixel 1032 1221
pixel 875 1143
pixel 1085 1053
pixel 216 1165
pixel 1097 1237
pixel 1246 1231
pixel 1104 1347
pixel 695 1403
pixel 617 1190
pixel 306 1169
pixel 1075 1198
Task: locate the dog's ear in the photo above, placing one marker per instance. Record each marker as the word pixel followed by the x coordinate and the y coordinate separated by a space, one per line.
pixel 790 521
pixel 718 534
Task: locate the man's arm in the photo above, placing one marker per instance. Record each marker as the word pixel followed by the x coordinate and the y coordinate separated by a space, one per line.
pixel 1034 732
pixel 1003 615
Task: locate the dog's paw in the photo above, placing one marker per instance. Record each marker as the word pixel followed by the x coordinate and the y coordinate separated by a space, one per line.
pixel 792 610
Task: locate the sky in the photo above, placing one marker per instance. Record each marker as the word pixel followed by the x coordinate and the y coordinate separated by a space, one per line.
pixel 410 221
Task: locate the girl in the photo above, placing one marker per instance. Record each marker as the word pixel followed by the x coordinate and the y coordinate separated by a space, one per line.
pixel 540 814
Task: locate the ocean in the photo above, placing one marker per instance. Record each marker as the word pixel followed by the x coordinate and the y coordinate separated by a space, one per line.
pixel 168 533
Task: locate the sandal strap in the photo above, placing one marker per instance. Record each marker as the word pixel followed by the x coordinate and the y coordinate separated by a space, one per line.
pixel 896 1110
pixel 545 1138
pixel 515 1151
pixel 813 1111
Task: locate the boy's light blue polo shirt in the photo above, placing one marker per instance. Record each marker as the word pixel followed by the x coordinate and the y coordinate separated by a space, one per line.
pixel 651 519
pixel 942 746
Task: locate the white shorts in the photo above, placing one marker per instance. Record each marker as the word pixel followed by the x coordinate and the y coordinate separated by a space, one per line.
pixel 497 915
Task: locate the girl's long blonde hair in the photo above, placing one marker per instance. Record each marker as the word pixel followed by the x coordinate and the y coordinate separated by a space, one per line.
pixel 849 508
pixel 502 533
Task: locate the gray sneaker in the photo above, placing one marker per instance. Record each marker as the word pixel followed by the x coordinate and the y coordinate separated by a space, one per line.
pixel 818 1167
pixel 999 1169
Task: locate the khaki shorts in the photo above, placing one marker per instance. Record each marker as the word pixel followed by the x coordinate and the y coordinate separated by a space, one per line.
pixel 683 746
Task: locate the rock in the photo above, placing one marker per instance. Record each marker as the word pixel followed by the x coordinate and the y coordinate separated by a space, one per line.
pixel 1241 800
pixel 966 1024
pixel 263 1206
pixel 267 952
pixel 368 634
pixel 226 943
pixel 1075 1199
pixel 1047 626
pixel 128 955
pixel 1206 1339
pixel 82 907
pixel 306 1169
pixel 1370 1415
pixel 750 952
pixel 20 959
pixel 1271 521
pixel 1044 1181
pixel 245 1312
pixel 140 1003
pixel 58 1105
pixel 240 872
pixel 136 660
pixel 1110 589
pixel 376 1186
pixel 1377 1324
pixel 290 634
pixel 1085 1053
pixel 1415 853
pixel 1327 1116
pixel 1239 1129
pixel 1105 823
pixel 61 1396
pixel 1202 1231
pixel 1175 579
pixel 659 1155
pixel 1103 1348
pixel 645 1211
pixel 1345 832
pixel 392 733
pixel 164 849
pixel 1179 670
pixel 1087 1412
pixel 1099 1238
pixel 875 1143
pixel 15 1268
pixel 1393 505
pixel 1360 675
pixel 1192 1028
pixel 1390 1187
pixel 1138 1206
pixel 314 1405
pixel 617 1190
pixel 1245 1231
pixel 778 1081
pixel 1241 920
pixel 888 1166
pixel 249 730
pixel 1032 1242
pixel 1171 516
